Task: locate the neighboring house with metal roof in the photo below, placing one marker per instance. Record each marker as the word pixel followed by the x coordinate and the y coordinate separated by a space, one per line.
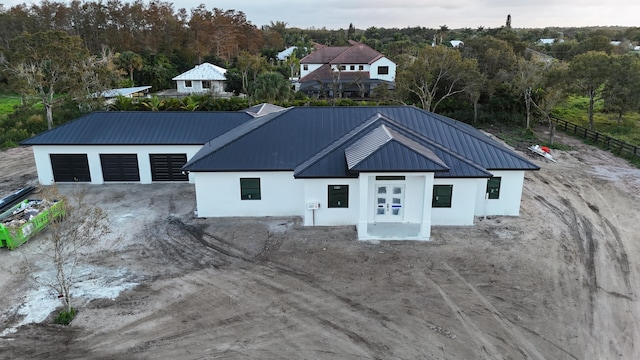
pixel 202 78
pixel 350 71
pixel 393 172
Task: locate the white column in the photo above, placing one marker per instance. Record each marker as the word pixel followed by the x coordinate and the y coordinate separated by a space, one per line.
pixel 425 224
pixel 363 202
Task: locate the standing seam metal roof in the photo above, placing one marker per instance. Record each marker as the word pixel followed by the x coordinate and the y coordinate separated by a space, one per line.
pixel 141 128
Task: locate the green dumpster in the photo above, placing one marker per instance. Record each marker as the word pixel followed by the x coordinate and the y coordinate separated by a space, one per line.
pixel 27 218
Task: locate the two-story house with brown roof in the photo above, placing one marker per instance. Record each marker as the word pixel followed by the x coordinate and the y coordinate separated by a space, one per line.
pixel 345 71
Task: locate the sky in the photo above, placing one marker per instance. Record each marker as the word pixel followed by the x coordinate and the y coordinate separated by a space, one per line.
pixel 455 14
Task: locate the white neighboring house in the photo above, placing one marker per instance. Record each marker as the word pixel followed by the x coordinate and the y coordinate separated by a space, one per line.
pixel 393 172
pixel 356 70
pixel 456 43
pixel 202 78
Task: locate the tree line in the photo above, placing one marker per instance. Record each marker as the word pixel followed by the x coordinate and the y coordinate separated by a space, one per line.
pixel 497 75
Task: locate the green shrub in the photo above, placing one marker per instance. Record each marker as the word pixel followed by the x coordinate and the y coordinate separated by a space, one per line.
pixel 65 317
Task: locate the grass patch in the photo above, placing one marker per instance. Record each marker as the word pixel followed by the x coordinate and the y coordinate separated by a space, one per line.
pixel 8 104
pixel 65 317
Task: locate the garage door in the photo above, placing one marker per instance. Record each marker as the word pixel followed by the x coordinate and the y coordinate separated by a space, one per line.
pixel 70 167
pixel 120 167
pixel 166 167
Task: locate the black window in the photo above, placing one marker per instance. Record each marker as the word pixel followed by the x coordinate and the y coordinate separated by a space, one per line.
pixel 250 188
pixel 305 67
pixel 352 67
pixel 493 187
pixel 206 84
pixel 383 70
pixel 442 196
pixel 187 83
pixel 338 196
pixel 342 67
pixel 360 67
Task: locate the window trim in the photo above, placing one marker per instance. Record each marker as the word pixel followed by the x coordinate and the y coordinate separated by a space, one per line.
pixel 342 192
pixel 383 70
pixel 188 83
pixel 437 203
pixel 495 194
pixel 247 190
pixel 305 67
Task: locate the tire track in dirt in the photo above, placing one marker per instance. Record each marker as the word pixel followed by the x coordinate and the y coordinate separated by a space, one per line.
pixel 531 350
pixel 265 273
pixel 487 349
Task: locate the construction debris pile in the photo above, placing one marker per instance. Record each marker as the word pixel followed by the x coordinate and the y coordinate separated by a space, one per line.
pixel 26 212
pixel 21 219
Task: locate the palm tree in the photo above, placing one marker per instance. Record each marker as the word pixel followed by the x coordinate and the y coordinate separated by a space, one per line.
pixel 190 104
pixel 130 61
pixel 153 104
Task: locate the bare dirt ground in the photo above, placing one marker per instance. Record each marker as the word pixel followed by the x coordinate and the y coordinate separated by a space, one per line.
pixel 558 282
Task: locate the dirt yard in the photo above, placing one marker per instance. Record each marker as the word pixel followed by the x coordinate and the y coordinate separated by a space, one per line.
pixel 558 282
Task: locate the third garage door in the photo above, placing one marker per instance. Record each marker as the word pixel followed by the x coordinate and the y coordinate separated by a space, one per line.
pixel 166 167
pixel 120 167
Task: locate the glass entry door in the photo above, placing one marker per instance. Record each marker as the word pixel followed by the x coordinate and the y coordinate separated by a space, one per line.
pixel 389 203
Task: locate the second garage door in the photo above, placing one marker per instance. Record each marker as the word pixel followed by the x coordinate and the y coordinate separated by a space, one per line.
pixel 120 167
pixel 166 167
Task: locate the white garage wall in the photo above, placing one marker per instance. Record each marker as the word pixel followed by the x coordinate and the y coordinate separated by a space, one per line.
pixel 510 195
pixel 218 194
pixel 45 172
pixel 316 190
pixel 463 201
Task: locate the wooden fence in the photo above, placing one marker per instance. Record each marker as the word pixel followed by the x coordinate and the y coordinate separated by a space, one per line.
pixel 611 144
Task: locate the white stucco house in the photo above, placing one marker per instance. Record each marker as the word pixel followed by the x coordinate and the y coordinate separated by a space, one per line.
pixel 393 172
pixel 355 70
pixel 202 78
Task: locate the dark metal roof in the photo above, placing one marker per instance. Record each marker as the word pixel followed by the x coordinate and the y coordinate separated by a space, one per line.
pixel 311 141
pixel 141 128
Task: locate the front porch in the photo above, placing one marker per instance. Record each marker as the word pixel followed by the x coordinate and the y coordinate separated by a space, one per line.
pixel 391 231
pixel 395 206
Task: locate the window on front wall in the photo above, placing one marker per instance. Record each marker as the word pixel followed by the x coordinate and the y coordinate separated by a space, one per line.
pixel 187 83
pixel 493 187
pixel 342 68
pixel 383 70
pixel 206 84
pixel 442 195
pixel 338 196
pixel 250 189
pixel 352 67
pixel 305 67
pixel 360 67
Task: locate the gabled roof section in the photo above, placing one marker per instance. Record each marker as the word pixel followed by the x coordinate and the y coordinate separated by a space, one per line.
pixel 204 71
pixel 358 53
pixel 141 128
pixel 331 161
pixel 386 150
pixel 324 55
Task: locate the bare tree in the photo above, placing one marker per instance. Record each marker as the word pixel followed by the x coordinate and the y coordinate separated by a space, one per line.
pixel 67 242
